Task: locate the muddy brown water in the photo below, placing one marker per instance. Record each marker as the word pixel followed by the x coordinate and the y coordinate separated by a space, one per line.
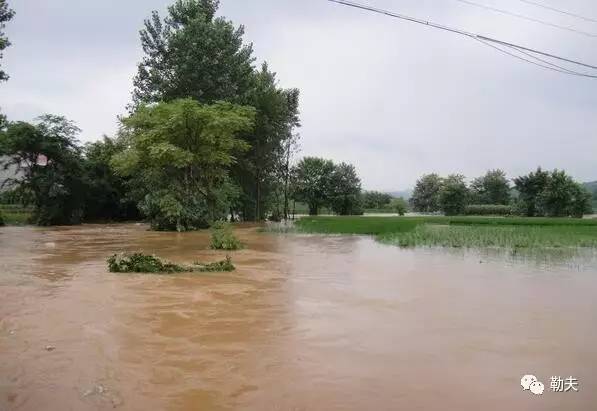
pixel 305 323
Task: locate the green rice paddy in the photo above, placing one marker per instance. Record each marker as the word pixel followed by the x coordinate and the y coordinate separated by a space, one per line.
pixel 465 232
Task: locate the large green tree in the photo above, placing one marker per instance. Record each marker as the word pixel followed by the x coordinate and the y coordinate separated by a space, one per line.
pixel 581 203
pixel 376 200
pixel 492 188
pixel 312 179
pixel 345 190
pixel 270 142
pixel 529 187
pixel 49 165
pixel 178 158
pixel 552 194
pixel 454 195
pixel 191 53
pixel 6 14
pixel 426 195
pixel 106 193
pixel 563 197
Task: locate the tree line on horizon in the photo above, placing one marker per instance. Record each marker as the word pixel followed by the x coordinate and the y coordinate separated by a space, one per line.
pixel 538 194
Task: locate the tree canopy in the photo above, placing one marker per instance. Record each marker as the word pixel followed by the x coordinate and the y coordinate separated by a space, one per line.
pixel 48 159
pixel 454 195
pixel 321 183
pixel 191 53
pixel 426 195
pixel 178 158
pixel 345 190
pixel 492 188
pixel 376 200
pixel 6 14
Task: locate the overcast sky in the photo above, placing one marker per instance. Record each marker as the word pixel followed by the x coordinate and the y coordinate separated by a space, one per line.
pixel 394 98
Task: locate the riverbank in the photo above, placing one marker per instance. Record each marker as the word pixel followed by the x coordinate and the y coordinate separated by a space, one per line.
pixel 470 232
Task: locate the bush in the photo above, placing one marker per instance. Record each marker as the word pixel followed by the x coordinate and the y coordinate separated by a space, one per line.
pixel 222 237
pixel 399 205
pixel 217 267
pixel 488 209
pixel 1 220
pixel 141 263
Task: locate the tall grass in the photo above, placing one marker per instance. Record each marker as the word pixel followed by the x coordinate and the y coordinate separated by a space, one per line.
pixel 381 225
pixel 356 225
pixel 469 232
pixel 485 236
pixel 15 214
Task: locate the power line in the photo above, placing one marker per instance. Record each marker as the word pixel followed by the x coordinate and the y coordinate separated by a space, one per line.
pixel 505 43
pixel 567 13
pixel 547 65
pixel 483 39
pixel 522 16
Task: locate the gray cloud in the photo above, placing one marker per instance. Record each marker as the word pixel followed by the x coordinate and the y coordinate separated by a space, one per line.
pixel 396 99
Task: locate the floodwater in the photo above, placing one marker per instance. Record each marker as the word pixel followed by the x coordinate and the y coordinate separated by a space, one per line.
pixel 305 323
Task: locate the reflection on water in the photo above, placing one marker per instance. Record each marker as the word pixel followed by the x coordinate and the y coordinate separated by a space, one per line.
pixel 305 323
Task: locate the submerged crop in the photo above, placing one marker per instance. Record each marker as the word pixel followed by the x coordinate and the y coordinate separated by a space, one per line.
pixel 509 237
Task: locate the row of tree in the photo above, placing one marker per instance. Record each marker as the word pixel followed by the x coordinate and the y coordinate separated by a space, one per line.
pixel 170 164
pixel 539 193
pixel 321 183
pixel 207 135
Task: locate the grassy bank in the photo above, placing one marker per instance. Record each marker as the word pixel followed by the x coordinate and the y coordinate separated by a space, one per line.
pixel 15 215
pixel 502 236
pixel 461 231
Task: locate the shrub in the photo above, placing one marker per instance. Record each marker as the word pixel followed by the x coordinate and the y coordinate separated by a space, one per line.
pixel 141 263
pixel 488 209
pixel 217 267
pixel 222 237
pixel 399 205
pixel 1 219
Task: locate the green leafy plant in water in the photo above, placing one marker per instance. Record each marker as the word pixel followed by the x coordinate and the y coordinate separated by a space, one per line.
pixel 222 237
pixel 217 267
pixel 141 263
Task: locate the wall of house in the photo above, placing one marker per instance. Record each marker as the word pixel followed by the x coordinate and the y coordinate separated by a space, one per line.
pixel 10 172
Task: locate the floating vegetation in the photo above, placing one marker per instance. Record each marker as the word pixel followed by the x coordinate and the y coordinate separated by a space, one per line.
pixel 217 267
pixel 222 237
pixel 141 263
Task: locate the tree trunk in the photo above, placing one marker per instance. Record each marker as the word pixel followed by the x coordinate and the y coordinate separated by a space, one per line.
pixel 258 197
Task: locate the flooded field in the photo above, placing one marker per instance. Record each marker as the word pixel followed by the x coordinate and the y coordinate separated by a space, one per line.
pixel 305 323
